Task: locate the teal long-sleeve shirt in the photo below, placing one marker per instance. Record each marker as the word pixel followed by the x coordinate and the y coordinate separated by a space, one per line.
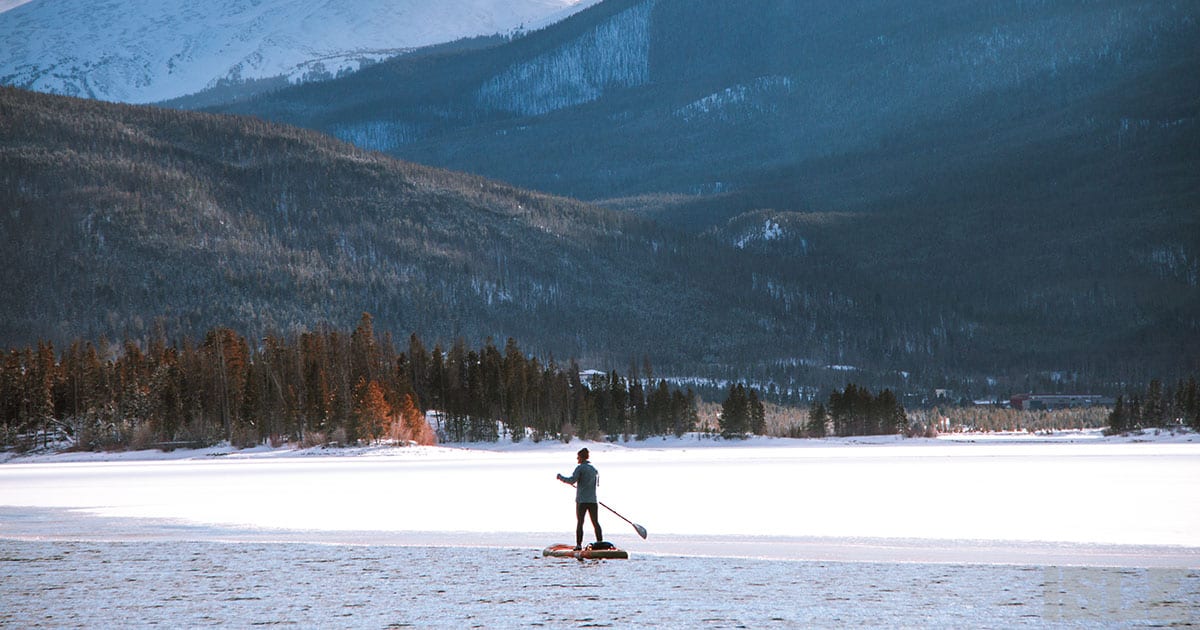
pixel 585 478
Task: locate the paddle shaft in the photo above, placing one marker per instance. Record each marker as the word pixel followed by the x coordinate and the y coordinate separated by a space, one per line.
pixel 641 531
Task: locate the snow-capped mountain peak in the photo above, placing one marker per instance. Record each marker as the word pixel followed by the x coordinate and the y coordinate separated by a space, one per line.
pixel 143 51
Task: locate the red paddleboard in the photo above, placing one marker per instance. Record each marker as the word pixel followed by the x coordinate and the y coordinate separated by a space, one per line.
pixel 587 553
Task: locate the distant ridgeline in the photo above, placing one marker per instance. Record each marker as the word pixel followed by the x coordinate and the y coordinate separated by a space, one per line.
pixel 316 388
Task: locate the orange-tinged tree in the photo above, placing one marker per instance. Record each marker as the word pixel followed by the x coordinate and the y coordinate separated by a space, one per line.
pixel 410 424
pixel 371 410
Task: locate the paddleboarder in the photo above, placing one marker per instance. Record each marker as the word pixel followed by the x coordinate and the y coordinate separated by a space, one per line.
pixel 585 479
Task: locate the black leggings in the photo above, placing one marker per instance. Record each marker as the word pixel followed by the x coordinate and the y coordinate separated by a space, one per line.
pixel 580 510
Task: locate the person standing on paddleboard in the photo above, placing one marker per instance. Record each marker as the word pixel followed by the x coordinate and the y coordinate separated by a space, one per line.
pixel 585 479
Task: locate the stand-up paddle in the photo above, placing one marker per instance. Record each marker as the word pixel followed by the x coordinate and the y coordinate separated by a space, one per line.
pixel 637 528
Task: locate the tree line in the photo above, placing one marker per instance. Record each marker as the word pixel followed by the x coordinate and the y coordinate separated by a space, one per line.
pixel 742 412
pixel 997 418
pixel 318 387
pixel 855 411
pixel 1157 406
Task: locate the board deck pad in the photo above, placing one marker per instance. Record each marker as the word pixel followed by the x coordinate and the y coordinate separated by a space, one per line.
pixel 587 553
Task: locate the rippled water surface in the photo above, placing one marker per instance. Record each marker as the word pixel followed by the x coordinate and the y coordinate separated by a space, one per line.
pixel 189 584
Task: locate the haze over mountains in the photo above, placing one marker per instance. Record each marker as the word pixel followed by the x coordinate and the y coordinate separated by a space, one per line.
pixel 1007 169
pixel 651 96
pixel 989 195
pixel 142 51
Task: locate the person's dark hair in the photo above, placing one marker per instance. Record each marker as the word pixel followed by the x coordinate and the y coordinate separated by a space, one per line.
pixel 583 452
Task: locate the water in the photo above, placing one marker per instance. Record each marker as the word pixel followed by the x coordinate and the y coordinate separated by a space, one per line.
pixel 53 584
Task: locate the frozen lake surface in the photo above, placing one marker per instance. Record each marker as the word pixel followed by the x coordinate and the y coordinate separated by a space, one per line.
pixel 933 533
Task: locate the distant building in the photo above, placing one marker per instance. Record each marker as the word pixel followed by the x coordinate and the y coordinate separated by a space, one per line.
pixel 1036 402
pixel 587 375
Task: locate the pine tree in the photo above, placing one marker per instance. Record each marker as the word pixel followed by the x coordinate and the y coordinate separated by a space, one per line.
pixel 10 395
pixel 682 412
pixel 515 387
pixel 457 406
pixel 662 410
pixel 1154 408
pixel 642 422
pixel 495 392
pixel 892 417
pixel 418 361
pixel 228 356
pixel 1191 404
pixel 839 413
pixel 437 378
pixel 758 414
pixel 817 417
pixel 1133 411
pixel 372 413
pixel 341 418
pixel 364 351
pixel 415 424
pixel 618 397
pixel 40 390
pixel 735 414
pixel 317 402
pixel 1118 418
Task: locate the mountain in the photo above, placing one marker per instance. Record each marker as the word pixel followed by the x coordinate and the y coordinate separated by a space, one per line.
pixel 969 187
pixel 128 221
pixel 692 97
pixel 124 222
pixel 991 197
pixel 142 51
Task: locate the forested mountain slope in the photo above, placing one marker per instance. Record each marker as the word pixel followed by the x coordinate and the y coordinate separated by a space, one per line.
pixel 694 96
pixel 117 219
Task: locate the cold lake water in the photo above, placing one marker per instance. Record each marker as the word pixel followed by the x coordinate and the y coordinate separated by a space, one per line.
pixel 57 584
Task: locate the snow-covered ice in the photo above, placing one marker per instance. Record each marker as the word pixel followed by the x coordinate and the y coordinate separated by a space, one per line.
pixel 1077 530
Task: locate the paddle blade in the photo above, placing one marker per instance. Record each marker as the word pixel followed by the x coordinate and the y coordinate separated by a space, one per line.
pixel 640 530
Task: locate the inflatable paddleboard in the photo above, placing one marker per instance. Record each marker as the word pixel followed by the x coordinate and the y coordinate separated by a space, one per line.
pixel 587 553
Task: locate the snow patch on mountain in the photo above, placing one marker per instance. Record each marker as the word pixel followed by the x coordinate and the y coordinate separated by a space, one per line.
pixel 379 135
pixel 142 51
pixel 615 54
pixel 1175 261
pixel 769 232
pixel 738 101
pixel 558 16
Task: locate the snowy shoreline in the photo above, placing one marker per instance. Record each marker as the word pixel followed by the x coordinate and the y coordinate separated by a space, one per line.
pixel 1076 498
pixel 692 441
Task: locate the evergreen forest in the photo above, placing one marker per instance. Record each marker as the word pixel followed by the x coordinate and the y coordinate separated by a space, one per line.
pixel 319 387
pixel 1157 406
